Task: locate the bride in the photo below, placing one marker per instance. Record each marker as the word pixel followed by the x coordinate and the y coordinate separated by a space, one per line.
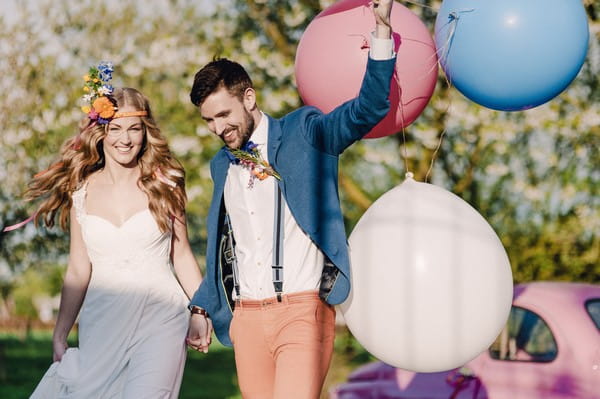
pixel 122 192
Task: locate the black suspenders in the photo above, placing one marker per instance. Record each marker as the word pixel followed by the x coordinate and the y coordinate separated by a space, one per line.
pixel 278 230
pixel 278 234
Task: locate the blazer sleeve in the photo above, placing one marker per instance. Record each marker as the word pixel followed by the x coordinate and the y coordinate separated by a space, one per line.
pixel 334 132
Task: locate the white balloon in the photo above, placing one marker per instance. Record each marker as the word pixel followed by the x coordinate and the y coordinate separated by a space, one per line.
pixel 431 282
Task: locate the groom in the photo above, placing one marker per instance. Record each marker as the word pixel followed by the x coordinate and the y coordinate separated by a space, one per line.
pixel 277 258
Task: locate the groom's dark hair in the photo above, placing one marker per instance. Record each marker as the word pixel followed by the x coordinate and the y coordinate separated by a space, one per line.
pixel 220 72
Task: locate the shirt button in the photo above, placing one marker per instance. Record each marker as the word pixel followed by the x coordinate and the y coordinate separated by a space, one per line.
pixel 252 212
pixel 258 263
pixel 258 238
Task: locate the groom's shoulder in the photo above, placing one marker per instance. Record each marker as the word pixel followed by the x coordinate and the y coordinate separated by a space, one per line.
pixel 300 115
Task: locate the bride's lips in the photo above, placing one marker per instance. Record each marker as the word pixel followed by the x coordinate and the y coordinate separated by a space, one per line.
pixel 124 150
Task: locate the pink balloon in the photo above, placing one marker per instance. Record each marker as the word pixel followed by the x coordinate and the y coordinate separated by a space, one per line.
pixel 332 56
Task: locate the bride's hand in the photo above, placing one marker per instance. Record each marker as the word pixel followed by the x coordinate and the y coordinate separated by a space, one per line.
pixel 59 347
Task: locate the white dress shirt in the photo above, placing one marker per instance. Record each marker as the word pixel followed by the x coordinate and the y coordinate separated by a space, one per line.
pixel 251 213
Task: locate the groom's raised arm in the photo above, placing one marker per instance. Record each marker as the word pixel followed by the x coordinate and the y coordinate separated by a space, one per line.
pixel 335 131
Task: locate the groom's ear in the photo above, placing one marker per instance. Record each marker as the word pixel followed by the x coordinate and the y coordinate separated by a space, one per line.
pixel 249 99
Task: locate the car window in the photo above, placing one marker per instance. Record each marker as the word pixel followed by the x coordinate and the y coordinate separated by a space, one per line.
pixel 525 337
pixel 593 309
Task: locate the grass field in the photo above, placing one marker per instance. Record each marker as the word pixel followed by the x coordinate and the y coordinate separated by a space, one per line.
pixel 23 361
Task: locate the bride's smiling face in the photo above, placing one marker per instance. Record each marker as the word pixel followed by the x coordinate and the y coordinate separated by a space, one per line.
pixel 124 139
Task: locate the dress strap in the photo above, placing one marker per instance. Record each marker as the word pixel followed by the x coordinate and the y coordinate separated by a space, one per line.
pixel 78 197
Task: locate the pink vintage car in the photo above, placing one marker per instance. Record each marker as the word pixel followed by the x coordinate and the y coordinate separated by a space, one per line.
pixel 549 349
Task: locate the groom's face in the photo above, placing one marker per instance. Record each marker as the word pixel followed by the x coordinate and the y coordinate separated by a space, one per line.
pixel 228 117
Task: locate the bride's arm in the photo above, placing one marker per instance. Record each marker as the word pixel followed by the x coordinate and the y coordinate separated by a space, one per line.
pixel 188 274
pixel 184 262
pixel 74 288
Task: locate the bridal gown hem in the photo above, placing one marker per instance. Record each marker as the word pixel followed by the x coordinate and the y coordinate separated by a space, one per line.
pixel 133 321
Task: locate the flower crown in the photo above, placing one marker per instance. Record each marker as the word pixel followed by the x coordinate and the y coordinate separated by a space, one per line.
pixel 100 107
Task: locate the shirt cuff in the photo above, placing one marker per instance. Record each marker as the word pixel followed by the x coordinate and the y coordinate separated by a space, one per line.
pixel 381 49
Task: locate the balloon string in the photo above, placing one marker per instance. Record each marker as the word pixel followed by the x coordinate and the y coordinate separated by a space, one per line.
pixel 453 21
pixel 437 148
pixel 401 107
pixel 446 111
pixel 454 17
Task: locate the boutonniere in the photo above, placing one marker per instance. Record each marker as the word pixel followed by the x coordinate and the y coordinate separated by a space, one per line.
pixel 250 157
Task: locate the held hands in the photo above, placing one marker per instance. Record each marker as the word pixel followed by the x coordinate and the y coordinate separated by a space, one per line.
pixel 199 333
pixel 382 10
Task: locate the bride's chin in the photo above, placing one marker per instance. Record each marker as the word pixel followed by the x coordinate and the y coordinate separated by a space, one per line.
pixel 125 161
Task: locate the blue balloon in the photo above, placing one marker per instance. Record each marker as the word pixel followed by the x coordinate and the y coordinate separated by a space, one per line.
pixel 511 54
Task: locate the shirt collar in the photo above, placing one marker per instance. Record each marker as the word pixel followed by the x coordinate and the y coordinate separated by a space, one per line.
pixel 260 134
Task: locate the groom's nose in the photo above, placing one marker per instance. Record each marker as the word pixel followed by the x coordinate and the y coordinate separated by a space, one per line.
pixel 220 126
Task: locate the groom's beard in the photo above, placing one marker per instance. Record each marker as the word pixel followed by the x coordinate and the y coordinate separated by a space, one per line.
pixel 244 131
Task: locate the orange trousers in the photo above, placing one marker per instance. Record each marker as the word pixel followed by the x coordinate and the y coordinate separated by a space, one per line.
pixel 283 349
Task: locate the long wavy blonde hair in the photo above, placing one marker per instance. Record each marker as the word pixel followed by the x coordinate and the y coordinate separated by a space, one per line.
pixel 162 177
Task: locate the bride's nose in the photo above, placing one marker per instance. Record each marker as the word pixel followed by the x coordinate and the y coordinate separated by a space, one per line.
pixel 125 138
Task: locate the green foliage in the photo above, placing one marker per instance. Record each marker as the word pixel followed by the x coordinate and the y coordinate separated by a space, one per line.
pixel 42 280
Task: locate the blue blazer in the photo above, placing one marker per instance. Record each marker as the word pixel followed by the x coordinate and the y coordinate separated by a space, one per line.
pixel 304 147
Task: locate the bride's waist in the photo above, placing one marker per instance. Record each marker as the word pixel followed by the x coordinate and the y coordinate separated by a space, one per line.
pixel 131 261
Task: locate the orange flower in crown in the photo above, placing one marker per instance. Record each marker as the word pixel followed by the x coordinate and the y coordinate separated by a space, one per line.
pixel 104 107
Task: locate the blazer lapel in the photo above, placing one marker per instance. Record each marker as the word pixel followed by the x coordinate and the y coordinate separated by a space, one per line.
pixel 220 168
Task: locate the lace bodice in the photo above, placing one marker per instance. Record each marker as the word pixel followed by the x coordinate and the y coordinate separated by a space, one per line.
pixel 133 244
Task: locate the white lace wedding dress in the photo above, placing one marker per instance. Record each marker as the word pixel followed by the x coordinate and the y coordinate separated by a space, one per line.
pixel 133 322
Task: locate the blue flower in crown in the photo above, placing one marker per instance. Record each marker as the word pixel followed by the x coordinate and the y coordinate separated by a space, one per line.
pixel 105 70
